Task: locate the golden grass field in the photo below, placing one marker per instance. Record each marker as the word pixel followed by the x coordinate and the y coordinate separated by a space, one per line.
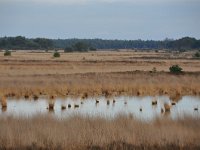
pixel 122 133
pixel 98 73
pixel 30 74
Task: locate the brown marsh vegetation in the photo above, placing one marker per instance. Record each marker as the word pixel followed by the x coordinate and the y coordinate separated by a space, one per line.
pixel 31 74
pixel 97 133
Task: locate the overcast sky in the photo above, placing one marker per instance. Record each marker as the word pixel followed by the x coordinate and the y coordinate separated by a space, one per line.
pixel 107 19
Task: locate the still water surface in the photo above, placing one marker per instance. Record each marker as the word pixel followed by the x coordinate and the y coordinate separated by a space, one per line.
pixel 139 107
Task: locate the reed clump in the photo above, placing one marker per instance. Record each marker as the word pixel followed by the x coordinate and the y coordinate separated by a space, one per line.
pixel 173 103
pixel 108 102
pixel 97 101
pixel 4 102
pixel 51 105
pixel 63 107
pixel 26 96
pixel 35 97
pixel 154 102
pixel 167 107
pixel 76 106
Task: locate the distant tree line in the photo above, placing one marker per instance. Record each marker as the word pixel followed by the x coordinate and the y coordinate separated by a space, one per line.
pixel 23 43
pixel 20 42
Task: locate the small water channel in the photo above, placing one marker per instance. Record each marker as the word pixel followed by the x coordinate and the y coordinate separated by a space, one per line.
pixel 139 107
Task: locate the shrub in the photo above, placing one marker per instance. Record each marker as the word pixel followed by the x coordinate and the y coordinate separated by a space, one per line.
pixel 56 54
pixel 175 69
pixel 7 53
pixel 197 55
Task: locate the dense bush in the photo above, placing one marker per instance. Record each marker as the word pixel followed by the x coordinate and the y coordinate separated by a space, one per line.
pixel 175 69
pixel 56 54
pixel 7 53
pixel 197 55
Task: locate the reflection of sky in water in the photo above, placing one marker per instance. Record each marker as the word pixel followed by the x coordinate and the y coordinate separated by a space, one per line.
pixel 89 107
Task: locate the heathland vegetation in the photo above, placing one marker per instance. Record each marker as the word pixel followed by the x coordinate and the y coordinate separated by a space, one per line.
pixel 99 73
pixel 20 42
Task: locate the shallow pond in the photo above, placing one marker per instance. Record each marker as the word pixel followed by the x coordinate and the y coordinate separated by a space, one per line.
pixel 139 107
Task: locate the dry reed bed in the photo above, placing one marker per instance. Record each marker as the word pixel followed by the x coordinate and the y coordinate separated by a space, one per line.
pixel 108 84
pixel 97 133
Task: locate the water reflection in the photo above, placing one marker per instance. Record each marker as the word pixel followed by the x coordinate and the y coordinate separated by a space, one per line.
pixel 145 108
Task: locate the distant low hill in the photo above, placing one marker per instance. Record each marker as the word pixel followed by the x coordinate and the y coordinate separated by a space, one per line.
pixel 20 42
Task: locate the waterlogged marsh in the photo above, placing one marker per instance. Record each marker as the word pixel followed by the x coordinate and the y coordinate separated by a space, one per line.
pixel 139 107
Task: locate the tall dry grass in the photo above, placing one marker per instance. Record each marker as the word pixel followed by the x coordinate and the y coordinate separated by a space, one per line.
pixel 108 84
pixel 97 133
